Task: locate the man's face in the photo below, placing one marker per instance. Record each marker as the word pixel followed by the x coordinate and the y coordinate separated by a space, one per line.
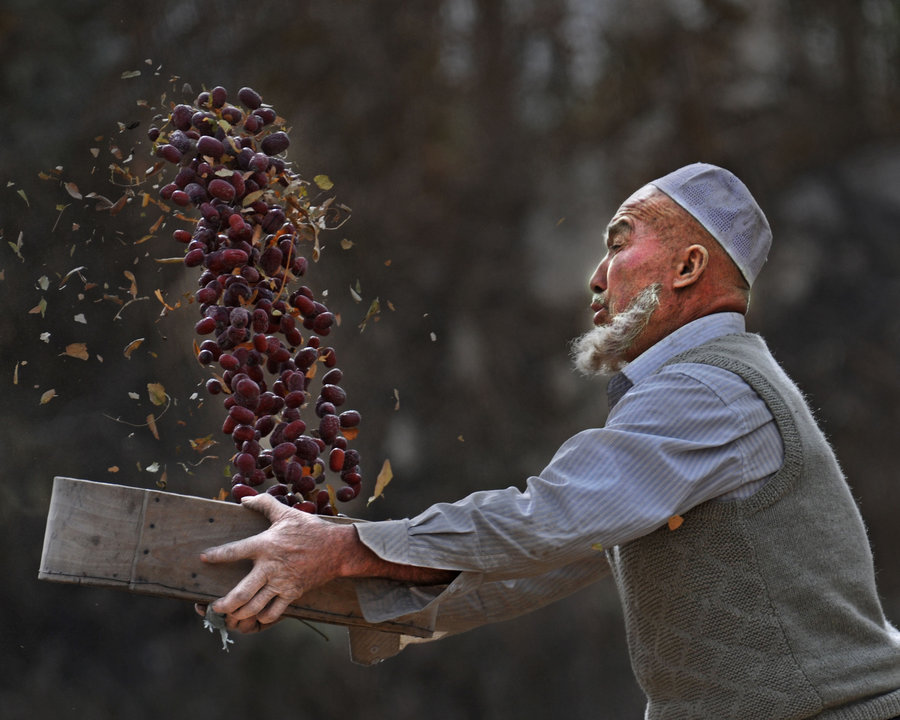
pixel 627 285
pixel 635 255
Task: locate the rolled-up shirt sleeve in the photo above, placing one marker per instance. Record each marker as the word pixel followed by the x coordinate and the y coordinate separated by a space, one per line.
pixel 470 601
pixel 680 437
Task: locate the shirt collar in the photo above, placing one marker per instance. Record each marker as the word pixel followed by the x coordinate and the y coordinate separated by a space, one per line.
pixel 686 337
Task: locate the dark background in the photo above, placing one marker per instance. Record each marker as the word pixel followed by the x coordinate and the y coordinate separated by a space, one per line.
pixel 483 146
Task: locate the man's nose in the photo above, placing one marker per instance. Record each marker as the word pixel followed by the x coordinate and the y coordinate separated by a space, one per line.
pixel 598 279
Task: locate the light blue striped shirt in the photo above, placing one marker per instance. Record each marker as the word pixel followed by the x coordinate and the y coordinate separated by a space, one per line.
pixel 679 436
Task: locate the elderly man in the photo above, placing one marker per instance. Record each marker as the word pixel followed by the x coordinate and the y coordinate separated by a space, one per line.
pixel 710 495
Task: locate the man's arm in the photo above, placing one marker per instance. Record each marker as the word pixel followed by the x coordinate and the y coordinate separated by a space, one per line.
pixel 297 553
pixel 603 487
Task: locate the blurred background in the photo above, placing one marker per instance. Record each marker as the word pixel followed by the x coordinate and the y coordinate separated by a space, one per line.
pixel 482 146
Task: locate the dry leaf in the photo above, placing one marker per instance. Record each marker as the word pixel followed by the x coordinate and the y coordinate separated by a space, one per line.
pixel 157 393
pixel 62 283
pixel 151 423
pixel 113 469
pixel 159 296
pixel 374 309
pixel 120 203
pixel 41 308
pixel 381 482
pixel 675 522
pixel 133 289
pixel 323 181
pixel 77 350
pixel 103 203
pixel 202 444
pixel 252 197
pixel 48 396
pixel 72 189
pixel 132 346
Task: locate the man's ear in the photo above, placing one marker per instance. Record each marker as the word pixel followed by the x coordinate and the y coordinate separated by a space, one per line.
pixel 691 264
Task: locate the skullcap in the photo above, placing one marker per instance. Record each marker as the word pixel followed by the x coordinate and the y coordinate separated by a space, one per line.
pixel 724 206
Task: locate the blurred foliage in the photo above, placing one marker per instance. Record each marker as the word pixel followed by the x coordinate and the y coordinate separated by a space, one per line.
pixel 482 145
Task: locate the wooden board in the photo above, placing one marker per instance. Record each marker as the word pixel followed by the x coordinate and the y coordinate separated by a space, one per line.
pixel 149 542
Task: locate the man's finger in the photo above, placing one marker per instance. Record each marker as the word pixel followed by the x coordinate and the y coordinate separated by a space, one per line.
pixel 245 549
pixel 274 610
pixel 266 505
pixel 255 605
pixel 241 593
pixel 246 626
pixel 231 552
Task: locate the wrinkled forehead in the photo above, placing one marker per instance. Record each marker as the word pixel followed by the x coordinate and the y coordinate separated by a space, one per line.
pixel 636 200
pixel 647 204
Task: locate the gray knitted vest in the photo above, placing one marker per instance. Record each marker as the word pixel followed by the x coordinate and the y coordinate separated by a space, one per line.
pixel 764 607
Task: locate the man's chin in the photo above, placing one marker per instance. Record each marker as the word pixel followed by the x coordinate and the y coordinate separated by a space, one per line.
pixel 604 349
pixel 591 354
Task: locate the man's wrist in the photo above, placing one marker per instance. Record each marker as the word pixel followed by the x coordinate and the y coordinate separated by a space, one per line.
pixel 347 552
pixel 355 559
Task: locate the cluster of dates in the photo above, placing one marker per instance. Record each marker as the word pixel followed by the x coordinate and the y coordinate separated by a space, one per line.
pixel 254 217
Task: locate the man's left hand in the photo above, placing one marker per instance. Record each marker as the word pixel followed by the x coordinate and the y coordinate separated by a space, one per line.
pixel 297 553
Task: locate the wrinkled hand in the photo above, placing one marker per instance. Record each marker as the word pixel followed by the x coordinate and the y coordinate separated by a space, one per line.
pixel 297 553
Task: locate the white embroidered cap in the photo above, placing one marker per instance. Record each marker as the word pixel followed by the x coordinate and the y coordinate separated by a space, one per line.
pixel 724 206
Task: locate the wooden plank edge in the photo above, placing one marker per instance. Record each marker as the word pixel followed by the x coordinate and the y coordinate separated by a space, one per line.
pixel 295 610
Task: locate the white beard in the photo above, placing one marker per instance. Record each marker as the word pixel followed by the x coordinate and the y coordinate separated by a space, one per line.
pixel 602 350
